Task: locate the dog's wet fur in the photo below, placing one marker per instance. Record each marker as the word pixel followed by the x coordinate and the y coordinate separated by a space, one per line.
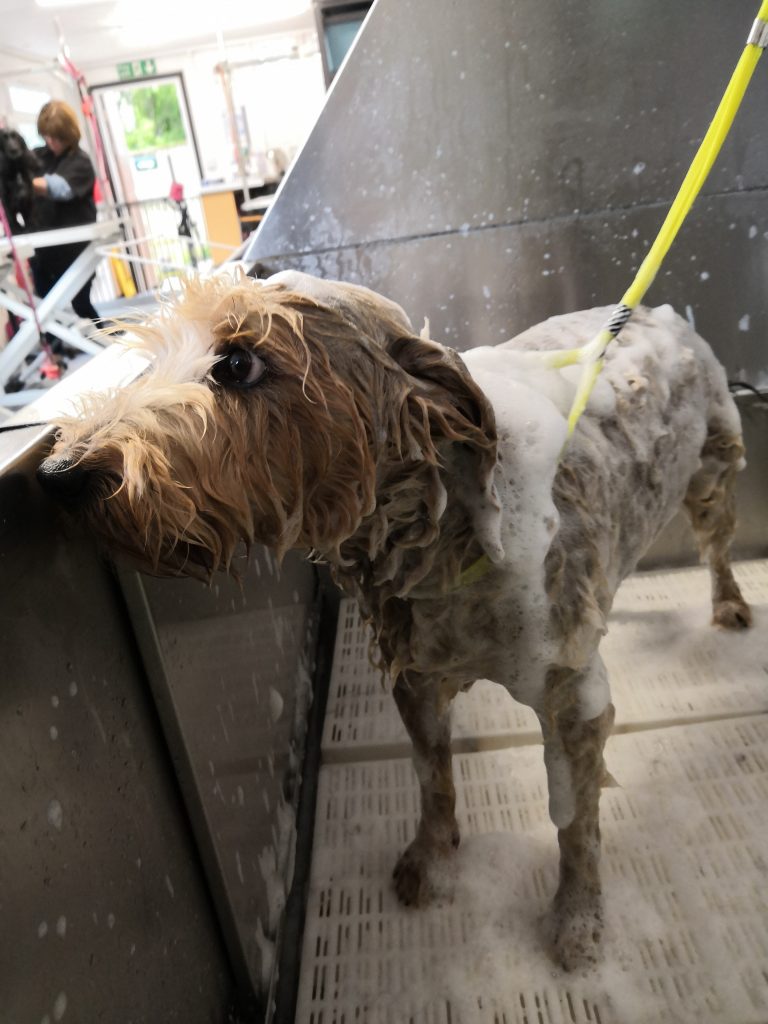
pixel 305 414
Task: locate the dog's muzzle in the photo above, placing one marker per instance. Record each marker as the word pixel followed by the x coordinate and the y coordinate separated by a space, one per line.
pixel 67 482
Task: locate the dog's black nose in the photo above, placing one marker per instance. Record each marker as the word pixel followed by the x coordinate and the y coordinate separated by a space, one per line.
pixel 64 480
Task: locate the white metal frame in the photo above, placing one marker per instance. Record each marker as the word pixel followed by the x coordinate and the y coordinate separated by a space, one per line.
pixel 49 314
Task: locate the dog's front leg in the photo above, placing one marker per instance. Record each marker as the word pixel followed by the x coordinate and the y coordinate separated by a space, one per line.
pixel 424 705
pixel 573 751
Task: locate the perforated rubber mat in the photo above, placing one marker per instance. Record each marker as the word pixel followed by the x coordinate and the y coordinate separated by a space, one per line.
pixel 685 841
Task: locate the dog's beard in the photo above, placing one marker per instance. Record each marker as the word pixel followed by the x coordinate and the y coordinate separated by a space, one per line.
pixel 152 517
pixel 149 545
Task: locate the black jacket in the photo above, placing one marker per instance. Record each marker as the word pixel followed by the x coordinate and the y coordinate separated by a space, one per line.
pixel 76 168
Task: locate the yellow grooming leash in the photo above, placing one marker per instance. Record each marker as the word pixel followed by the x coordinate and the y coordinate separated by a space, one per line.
pixel 592 354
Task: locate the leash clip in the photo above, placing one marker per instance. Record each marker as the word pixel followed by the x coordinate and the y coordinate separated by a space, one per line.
pixel 759 34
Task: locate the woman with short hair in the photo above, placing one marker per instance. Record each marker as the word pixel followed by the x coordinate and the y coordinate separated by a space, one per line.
pixel 63 199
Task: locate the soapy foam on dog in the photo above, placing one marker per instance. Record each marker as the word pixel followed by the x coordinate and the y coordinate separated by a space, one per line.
pixel 531 404
pixel 531 432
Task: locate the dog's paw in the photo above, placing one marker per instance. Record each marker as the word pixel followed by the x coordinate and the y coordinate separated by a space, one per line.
pixel 411 874
pixel 577 938
pixel 734 614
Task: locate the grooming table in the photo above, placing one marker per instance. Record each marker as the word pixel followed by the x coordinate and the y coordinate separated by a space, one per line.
pixel 685 834
pixel 51 310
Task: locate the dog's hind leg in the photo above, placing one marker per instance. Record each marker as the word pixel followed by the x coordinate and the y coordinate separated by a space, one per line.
pixel 711 508
pixel 424 706
pixel 573 753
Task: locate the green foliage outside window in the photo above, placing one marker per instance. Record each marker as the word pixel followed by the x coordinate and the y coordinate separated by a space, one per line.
pixel 158 118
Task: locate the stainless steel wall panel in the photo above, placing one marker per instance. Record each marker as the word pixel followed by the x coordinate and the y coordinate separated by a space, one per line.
pixel 482 286
pixel 105 913
pixel 450 113
pixel 459 140
pixel 231 666
pixel 151 749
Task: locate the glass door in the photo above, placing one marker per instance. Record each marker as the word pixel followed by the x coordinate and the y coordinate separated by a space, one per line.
pixel 154 165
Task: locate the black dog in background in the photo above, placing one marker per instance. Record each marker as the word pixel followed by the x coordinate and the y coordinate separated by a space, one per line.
pixel 18 166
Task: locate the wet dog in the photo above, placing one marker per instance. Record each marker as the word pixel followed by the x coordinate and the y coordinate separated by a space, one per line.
pixel 306 414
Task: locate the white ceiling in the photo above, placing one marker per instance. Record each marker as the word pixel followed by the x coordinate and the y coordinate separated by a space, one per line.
pixel 108 31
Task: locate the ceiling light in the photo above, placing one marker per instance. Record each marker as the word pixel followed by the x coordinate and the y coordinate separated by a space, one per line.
pixel 67 3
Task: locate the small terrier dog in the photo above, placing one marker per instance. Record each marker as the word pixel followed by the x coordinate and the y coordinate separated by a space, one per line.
pixel 301 413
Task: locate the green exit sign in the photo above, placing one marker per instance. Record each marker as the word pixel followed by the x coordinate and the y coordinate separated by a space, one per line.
pixel 136 68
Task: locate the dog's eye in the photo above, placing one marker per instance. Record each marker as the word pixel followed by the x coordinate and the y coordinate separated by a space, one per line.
pixel 239 368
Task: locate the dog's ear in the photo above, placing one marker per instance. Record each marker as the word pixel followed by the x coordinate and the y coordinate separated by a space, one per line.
pixel 440 371
pixel 458 410
pixel 432 380
pixel 443 374
pixel 422 414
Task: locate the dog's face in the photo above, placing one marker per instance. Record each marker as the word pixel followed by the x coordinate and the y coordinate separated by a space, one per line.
pixel 269 413
pixel 240 430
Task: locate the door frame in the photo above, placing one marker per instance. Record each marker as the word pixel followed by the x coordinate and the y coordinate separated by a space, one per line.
pixel 138 82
